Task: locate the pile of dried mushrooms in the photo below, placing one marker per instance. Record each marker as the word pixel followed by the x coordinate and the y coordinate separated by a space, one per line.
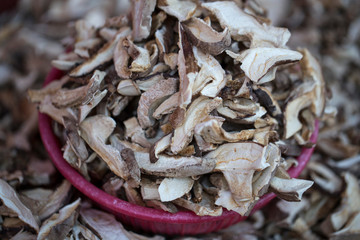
pixel 193 104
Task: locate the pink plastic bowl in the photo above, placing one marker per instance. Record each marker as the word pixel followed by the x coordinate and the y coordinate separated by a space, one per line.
pixel 142 218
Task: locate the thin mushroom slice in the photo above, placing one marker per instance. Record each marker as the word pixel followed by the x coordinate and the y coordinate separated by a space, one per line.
pixel 104 224
pixel 203 208
pixel 104 55
pixel 127 87
pixel 261 180
pixel 238 162
pixel 211 77
pixel 187 68
pixel 141 18
pixel 226 200
pixel 205 37
pixel 174 166
pixel 11 200
pixel 312 70
pixel 95 131
pixel 298 100
pixel 211 131
pixel 324 177
pixel 244 27
pixel 256 62
pixel 152 98
pixel 349 203
pixel 182 10
pixel 59 224
pixel 173 188
pixel 290 189
pixel 196 113
pixel 159 147
pixel 81 95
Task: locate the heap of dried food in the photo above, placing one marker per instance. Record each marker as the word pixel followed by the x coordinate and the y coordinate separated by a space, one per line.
pixel 198 105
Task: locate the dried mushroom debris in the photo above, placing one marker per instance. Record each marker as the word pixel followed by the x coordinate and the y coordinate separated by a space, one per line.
pixel 180 94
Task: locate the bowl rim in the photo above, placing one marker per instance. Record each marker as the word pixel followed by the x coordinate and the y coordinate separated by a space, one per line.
pixel 117 205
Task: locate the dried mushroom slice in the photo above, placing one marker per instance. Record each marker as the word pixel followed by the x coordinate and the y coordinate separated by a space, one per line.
pixel 174 166
pixel 11 200
pixel 238 162
pixel 173 188
pixel 152 98
pixel 141 18
pixel 104 55
pixel 203 36
pixel 312 71
pixel 95 131
pixel 211 132
pixel 211 77
pixel 182 10
pixel 290 189
pixel 244 27
pixel 187 68
pixel 256 62
pixel 59 224
pixel 197 112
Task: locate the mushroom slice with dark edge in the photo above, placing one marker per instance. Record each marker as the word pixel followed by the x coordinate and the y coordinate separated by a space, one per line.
pixel 167 106
pixel 182 10
pixel 174 166
pixel 187 68
pixel 212 132
pixel 152 98
pixel 141 18
pixel 135 133
pixel 76 143
pixel 134 171
pixel 244 27
pixel 299 99
pixel 140 56
pixel 256 62
pixel 11 200
pixel 95 131
pixel 59 224
pixel 211 77
pixel 261 179
pixel 205 207
pixel 205 37
pixel 196 113
pixel 80 95
pixel 173 188
pixel 159 147
pixel 290 189
pixel 104 55
pixel 312 71
pixel 240 116
pixel 266 99
pixel 238 162
pixel 84 110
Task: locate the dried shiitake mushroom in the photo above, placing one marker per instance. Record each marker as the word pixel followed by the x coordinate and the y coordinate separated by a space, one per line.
pixel 180 103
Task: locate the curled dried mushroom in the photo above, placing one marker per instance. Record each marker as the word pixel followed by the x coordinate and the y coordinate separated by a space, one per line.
pixel 181 102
